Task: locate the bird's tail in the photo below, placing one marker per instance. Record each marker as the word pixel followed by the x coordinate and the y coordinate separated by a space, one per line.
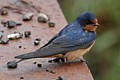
pixel 27 55
pixel 40 53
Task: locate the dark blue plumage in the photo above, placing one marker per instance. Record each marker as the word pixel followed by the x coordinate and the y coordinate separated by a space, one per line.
pixel 70 38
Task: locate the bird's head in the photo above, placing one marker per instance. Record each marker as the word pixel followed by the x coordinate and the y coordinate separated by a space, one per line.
pixel 88 21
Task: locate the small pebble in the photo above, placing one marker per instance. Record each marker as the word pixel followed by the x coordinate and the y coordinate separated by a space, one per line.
pixel 28 16
pixel 59 78
pixel 20 46
pixel 34 62
pixel 51 24
pixel 27 34
pixel 39 65
pixel 12 64
pixel 10 24
pixel 5 41
pixel 37 41
pixel 21 77
pixel 4 11
pixel 16 35
pixel 43 18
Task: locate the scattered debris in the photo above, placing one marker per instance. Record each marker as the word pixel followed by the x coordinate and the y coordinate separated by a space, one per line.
pixel 27 34
pixel 16 35
pixel 3 11
pixel 59 78
pixel 34 62
pixel 28 16
pixel 51 24
pixel 37 41
pixel 20 46
pixel 43 18
pixel 21 77
pixel 50 71
pixel 10 24
pixel 12 64
pixel 39 65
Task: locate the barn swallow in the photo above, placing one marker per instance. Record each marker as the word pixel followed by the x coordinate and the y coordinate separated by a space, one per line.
pixel 72 42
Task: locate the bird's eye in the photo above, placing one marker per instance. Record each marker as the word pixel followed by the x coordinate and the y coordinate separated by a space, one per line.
pixel 89 22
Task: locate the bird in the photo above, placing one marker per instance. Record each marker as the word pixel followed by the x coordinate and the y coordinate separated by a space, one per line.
pixel 72 42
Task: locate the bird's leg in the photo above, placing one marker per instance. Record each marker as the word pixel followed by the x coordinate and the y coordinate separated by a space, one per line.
pixel 20 60
pixel 58 60
pixel 83 60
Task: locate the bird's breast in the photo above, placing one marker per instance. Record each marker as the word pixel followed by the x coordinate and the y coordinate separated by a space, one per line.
pixel 77 53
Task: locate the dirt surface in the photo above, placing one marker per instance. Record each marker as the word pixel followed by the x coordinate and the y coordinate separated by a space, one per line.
pixel 27 70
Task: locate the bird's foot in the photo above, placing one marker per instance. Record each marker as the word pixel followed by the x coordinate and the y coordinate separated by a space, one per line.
pixel 83 60
pixel 58 60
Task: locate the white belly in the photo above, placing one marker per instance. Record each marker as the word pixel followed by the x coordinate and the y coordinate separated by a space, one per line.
pixel 77 53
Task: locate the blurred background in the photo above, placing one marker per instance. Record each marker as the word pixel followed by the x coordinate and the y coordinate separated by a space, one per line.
pixel 104 58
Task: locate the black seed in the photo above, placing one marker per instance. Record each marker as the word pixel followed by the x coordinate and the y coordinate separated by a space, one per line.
pixel 21 77
pixel 39 65
pixel 20 46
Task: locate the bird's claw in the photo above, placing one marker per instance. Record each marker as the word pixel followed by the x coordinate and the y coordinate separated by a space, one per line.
pixel 83 60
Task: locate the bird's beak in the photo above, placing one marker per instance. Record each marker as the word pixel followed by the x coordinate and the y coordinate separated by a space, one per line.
pixel 95 22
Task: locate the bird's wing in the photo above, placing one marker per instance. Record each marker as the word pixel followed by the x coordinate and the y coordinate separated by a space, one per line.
pixel 61 44
pixel 54 37
pixel 50 41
